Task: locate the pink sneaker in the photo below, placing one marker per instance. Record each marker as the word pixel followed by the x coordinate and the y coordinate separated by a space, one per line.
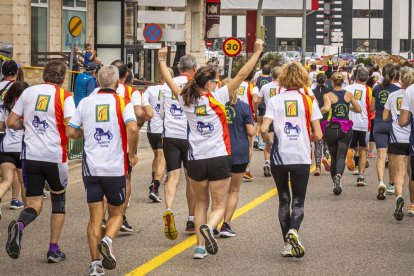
pixel 371 155
pixel 326 164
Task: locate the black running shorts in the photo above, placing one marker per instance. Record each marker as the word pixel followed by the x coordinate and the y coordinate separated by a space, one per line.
pixel 212 169
pixel 238 168
pixel 155 140
pixel 175 152
pixel 112 187
pixel 359 138
pixel 12 158
pixel 399 149
pixel 382 133
pixel 35 173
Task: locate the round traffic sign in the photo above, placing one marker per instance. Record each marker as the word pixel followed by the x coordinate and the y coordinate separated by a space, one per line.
pixel 232 46
pixel 75 26
pixel 152 33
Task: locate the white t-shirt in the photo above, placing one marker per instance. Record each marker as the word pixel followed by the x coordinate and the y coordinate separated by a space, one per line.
pixel 12 141
pixel 44 122
pixel 244 93
pixel 269 90
pixel 175 119
pixel 103 123
pixel 347 79
pixel 394 104
pixel 312 77
pixel 290 112
pixel 364 98
pixel 208 131
pixel 153 96
pixel 128 93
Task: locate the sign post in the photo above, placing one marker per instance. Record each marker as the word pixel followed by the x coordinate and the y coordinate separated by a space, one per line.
pixel 75 29
pixel 152 34
pixel 232 47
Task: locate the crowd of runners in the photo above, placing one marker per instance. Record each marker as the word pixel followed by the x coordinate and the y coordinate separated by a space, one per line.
pixel 209 127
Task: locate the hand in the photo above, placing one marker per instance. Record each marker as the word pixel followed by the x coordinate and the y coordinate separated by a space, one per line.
pixel 133 159
pixel 258 45
pixel 162 54
pixel 94 52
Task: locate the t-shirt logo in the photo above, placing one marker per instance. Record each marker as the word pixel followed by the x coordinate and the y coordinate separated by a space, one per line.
pixel 272 92
pixel 230 114
pixel 399 103
pixel 341 110
pixel 173 96
pixel 358 94
pixel 291 108
pixel 204 128
pixel 263 82
pixel 240 90
pixel 102 113
pixel 42 103
pixel 383 96
pixel 201 110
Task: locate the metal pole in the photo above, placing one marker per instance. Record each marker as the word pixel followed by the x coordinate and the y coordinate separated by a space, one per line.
pixel 410 18
pixel 72 50
pixel 152 65
pixel 259 20
pixel 230 67
pixel 369 26
pixel 303 32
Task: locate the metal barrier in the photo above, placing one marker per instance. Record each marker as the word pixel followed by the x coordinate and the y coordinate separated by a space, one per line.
pixel 75 148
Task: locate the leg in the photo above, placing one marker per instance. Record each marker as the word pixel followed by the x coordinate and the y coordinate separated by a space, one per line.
pixel 219 191
pixel 191 200
pixel 318 153
pixel 281 177
pixel 159 167
pixel 299 176
pixel 96 214
pixel 16 188
pixel 202 196
pixel 127 193
pixel 331 136
pixel 343 143
pixel 381 156
pixel 170 188
pixel 233 196
pixel 399 165
pixel 22 189
pixel 8 170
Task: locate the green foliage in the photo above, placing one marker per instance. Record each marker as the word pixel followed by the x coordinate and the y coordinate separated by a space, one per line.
pixel 364 60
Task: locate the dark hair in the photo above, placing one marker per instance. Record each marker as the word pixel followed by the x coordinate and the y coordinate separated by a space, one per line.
pixel 250 76
pixel 54 72
pixel 193 89
pixel 87 45
pixel 321 79
pixel 129 65
pixel 313 66
pixel 9 68
pixel 129 78
pixel 376 68
pixel 20 74
pixel 390 72
pixel 14 92
pixel 122 67
pixel 266 69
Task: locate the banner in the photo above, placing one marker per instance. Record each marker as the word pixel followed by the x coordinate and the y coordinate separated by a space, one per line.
pixel 212 19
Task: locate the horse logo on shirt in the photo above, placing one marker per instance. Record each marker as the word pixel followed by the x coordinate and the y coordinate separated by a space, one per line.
pixel 291 108
pixel 399 103
pixel 101 133
pixel 204 129
pixel 102 113
pixel 358 94
pixel 176 110
pixel 157 108
pixel 42 103
pixel 39 125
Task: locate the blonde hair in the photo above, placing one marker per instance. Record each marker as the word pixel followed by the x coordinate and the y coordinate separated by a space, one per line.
pixel 294 76
pixel 407 76
pixel 337 79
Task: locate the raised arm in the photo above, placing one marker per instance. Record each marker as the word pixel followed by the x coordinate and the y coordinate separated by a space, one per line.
pixel 246 69
pixel 162 54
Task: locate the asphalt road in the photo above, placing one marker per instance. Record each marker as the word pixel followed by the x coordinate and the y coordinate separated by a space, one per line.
pixel 351 234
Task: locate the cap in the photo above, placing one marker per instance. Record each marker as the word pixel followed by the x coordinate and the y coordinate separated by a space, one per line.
pixel 90 66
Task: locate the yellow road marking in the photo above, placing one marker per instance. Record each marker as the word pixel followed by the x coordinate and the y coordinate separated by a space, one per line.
pixel 191 241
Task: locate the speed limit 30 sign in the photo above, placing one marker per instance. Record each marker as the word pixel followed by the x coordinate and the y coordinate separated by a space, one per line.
pixel 232 46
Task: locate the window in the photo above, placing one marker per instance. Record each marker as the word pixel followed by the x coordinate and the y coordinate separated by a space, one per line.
pixel 39 2
pixel 404 45
pixel 73 8
pixel 365 13
pixel 39 23
pixel 365 45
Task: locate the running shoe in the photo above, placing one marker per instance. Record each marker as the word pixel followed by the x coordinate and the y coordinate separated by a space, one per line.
pixel 55 257
pixel 361 182
pixel 287 251
pixel 210 242
pixel 14 237
pixel 256 144
pixel 371 155
pixel 317 172
pixel 216 232
pixel 350 162
pixel 381 191
pixel 266 169
pixel 326 164
pixel 410 212
pixel 200 253
pixel 398 212
pixel 16 204
pixel 190 227
pixel 337 188
pixel 103 223
pixel 386 163
pixel 106 250
pixel 96 270
pixel 356 171
pixel 261 146
pixel 390 189
pixel 170 231
pixel 125 227
pixel 367 164
pixel 297 248
pixel 226 232
pixel 248 176
pixel 154 195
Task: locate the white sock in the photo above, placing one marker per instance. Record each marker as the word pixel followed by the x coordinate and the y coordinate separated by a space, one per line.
pixel 98 262
pixel 381 182
pixel 109 239
pixel 191 218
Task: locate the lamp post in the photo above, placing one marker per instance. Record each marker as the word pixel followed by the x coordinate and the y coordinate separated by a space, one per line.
pixel 369 26
pixel 410 18
pixel 303 32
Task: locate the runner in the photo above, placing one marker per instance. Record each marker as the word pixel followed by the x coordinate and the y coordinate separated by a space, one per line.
pixel 241 127
pixel 313 75
pixel 11 146
pixel 266 92
pixel 175 147
pixel 361 125
pixel 209 162
pixel 399 143
pixel 107 128
pixel 293 114
pixel 382 128
pixel 45 109
pixel 347 77
pixel 321 148
pixel 338 131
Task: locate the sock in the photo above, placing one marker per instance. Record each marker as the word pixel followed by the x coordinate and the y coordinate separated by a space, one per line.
pixel 109 239
pixel 361 176
pixel 247 169
pixel 381 182
pixel 53 247
pixel 153 175
pixel 15 198
pixel 191 218
pixel 98 262
pixel 267 161
pixel 256 138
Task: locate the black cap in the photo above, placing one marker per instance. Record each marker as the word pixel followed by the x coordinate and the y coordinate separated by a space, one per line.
pixel 90 66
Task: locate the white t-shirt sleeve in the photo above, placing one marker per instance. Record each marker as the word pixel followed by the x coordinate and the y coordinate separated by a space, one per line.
pixel 255 91
pixel 19 106
pixel 261 92
pixel 129 114
pixel 405 103
pixel 136 98
pixel 387 105
pixel 69 107
pixel 76 119
pixel 316 113
pixel 270 110
pixel 2 115
pixel 223 94
pixel 145 97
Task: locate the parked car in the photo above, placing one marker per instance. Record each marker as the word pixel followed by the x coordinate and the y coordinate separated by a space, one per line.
pixel 312 55
pixel 347 56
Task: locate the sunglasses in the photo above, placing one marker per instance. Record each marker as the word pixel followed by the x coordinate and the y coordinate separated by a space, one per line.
pixel 215 81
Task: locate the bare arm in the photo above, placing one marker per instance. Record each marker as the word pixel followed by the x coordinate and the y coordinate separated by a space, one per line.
pixel 372 108
pixel 256 101
pixel 246 69
pixel 405 118
pixel 355 105
pixel 251 130
pixel 162 54
pixel 264 129
pixel 149 112
pixel 2 126
pixel 326 104
pixel 132 137
pixel 317 131
pixel 14 121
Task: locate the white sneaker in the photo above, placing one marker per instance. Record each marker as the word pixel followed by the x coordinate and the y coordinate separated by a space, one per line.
pixel 287 251
pixel 106 250
pixel 292 238
pixel 96 270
